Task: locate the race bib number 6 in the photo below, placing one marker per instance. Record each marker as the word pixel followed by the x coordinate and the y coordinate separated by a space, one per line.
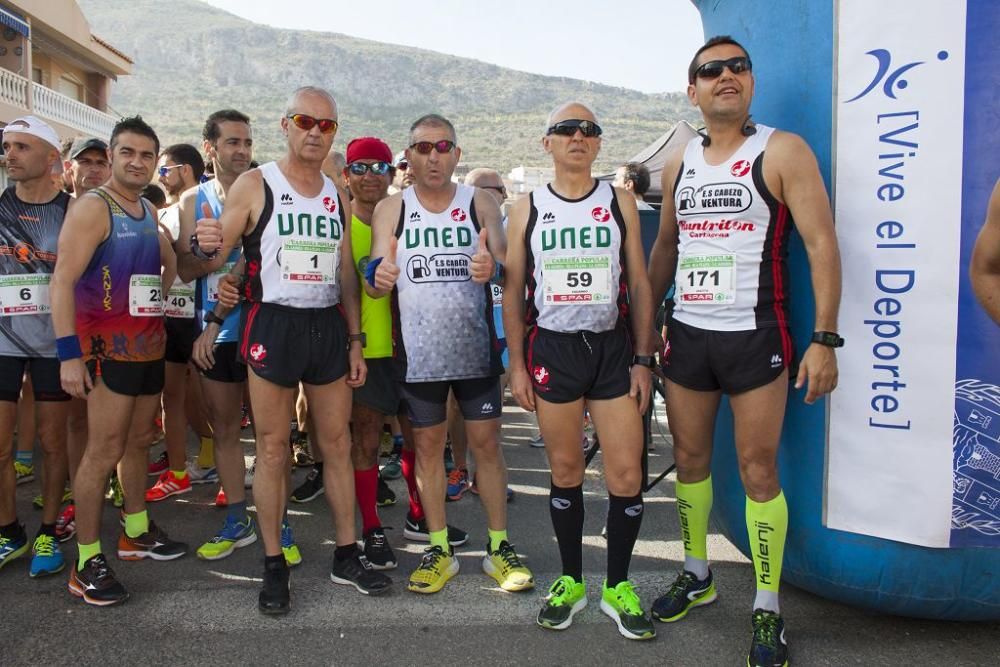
pixel 25 294
pixel 707 279
pixel 568 280
pixel 145 296
pixel 309 262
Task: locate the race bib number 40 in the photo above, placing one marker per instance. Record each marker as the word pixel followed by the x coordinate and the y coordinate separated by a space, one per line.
pixel 568 280
pixel 309 262
pixel 707 279
pixel 145 296
pixel 25 294
pixel 180 302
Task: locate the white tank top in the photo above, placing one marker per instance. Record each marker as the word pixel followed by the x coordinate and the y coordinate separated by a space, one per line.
pixel 575 255
pixel 444 321
pixel 732 272
pixel 293 254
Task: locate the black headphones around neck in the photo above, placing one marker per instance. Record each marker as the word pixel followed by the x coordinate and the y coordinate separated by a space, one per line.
pixel 749 129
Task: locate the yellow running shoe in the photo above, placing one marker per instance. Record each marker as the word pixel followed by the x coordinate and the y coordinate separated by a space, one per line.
pixel 505 566
pixel 435 569
pixel 290 550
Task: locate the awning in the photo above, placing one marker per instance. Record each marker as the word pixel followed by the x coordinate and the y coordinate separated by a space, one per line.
pixel 15 22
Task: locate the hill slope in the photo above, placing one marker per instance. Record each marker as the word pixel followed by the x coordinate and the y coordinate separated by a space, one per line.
pixel 191 59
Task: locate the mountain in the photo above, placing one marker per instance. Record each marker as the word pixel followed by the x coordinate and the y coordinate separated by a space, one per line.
pixel 192 58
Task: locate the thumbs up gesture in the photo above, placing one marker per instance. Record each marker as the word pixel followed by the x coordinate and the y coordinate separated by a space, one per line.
pixel 208 230
pixel 482 265
pixel 387 273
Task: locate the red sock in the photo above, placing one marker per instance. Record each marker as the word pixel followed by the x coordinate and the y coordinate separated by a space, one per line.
pixel 409 474
pixel 366 492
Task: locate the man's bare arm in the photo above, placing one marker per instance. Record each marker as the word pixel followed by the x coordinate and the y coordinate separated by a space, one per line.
pixel 384 221
pixel 663 255
pixel 491 219
pixel 189 267
pixel 244 203
pixel 639 291
pixel 513 304
pixel 984 269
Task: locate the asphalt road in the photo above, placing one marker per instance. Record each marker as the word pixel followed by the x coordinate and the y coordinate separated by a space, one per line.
pixel 193 612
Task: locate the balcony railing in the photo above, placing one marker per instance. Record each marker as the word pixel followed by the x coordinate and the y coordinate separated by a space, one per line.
pixel 47 103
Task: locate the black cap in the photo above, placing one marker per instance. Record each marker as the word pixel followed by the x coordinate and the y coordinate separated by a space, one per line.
pixel 81 145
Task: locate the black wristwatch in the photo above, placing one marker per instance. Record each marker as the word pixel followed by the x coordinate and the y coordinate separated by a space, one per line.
pixel 644 360
pixel 827 338
pixel 359 337
pixel 212 318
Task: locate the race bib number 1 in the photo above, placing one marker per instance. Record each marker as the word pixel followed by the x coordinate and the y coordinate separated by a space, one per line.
pixel 145 296
pixel 707 279
pixel 26 294
pixel 568 280
pixel 309 262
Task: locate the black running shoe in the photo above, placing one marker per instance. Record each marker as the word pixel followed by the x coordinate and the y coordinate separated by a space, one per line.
pixel 358 572
pixel 768 648
pixel 386 496
pixel 416 531
pixel 311 488
pixel 377 550
pixel 686 592
pixel 274 598
pixel 154 544
pixel 96 583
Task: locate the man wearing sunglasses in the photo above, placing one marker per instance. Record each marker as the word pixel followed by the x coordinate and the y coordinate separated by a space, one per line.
pixel 227 140
pixel 730 198
pixel 301 324
pixel 432 246
pixel 580 340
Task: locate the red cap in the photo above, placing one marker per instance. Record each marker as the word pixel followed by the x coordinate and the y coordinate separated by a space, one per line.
pixel 368 148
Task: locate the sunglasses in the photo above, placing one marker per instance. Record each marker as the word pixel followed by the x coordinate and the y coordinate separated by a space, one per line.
pixel 163 171
pixel 403 166
pixel 304 122
pixel 713 68
pixel 425 147
pixel 567 128
pixel 377 168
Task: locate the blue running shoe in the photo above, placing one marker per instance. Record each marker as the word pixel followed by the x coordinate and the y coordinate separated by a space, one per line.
pixel 46 556
pixel 288 547
pixel 234 535
pixel 768 648
pixel 11 548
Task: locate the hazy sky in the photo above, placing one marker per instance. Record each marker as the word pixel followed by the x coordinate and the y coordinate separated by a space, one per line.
pixel 640 44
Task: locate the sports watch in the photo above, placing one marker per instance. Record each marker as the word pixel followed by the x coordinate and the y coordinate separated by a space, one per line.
pixel 361 337
pixel 828 338
pixel 212 318
pixel 644 360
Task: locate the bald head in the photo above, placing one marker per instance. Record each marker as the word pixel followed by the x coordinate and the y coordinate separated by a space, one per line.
pixel 299 94
pixel 569 111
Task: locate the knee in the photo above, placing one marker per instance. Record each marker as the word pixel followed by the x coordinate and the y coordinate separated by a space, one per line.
pixel 486 450
pixel 692 461
pixel 566 472
pixel 626 482
pixel 760 478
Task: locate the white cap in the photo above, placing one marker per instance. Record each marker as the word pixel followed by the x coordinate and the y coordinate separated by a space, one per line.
pixel 37 127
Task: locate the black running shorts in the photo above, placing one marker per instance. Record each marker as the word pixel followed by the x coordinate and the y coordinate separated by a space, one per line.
pixel 733 361
pixel 45 382
pixel 565 367
pixel 287 345
pixel 130 378
pixel 380 391
pixel 228 368
pixel 426 403
pixel 181 334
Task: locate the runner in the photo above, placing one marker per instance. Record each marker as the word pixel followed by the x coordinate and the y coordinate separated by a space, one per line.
pixel 575 244
pixel 303 324
pixel 31 215
pixel 431 245
pixel 730 200
pixel 107 299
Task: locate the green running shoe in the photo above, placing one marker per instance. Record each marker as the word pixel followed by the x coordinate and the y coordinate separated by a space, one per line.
pixel 686 592
pixel 67 496
pixel 566 597
pixel 115 493
pixel 622 604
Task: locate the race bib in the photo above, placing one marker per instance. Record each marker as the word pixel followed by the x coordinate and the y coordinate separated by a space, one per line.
pixel 309 262
pixel 26 294
pixel 145 296
pixel 568 279
pixel 497 291
pixel 180 301
pixel 708 279
pixel 213 280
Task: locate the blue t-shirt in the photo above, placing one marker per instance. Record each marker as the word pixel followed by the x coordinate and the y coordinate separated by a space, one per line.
pixel 207 285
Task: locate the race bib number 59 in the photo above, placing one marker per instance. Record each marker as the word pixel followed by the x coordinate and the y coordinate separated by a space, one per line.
pixel 568 280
